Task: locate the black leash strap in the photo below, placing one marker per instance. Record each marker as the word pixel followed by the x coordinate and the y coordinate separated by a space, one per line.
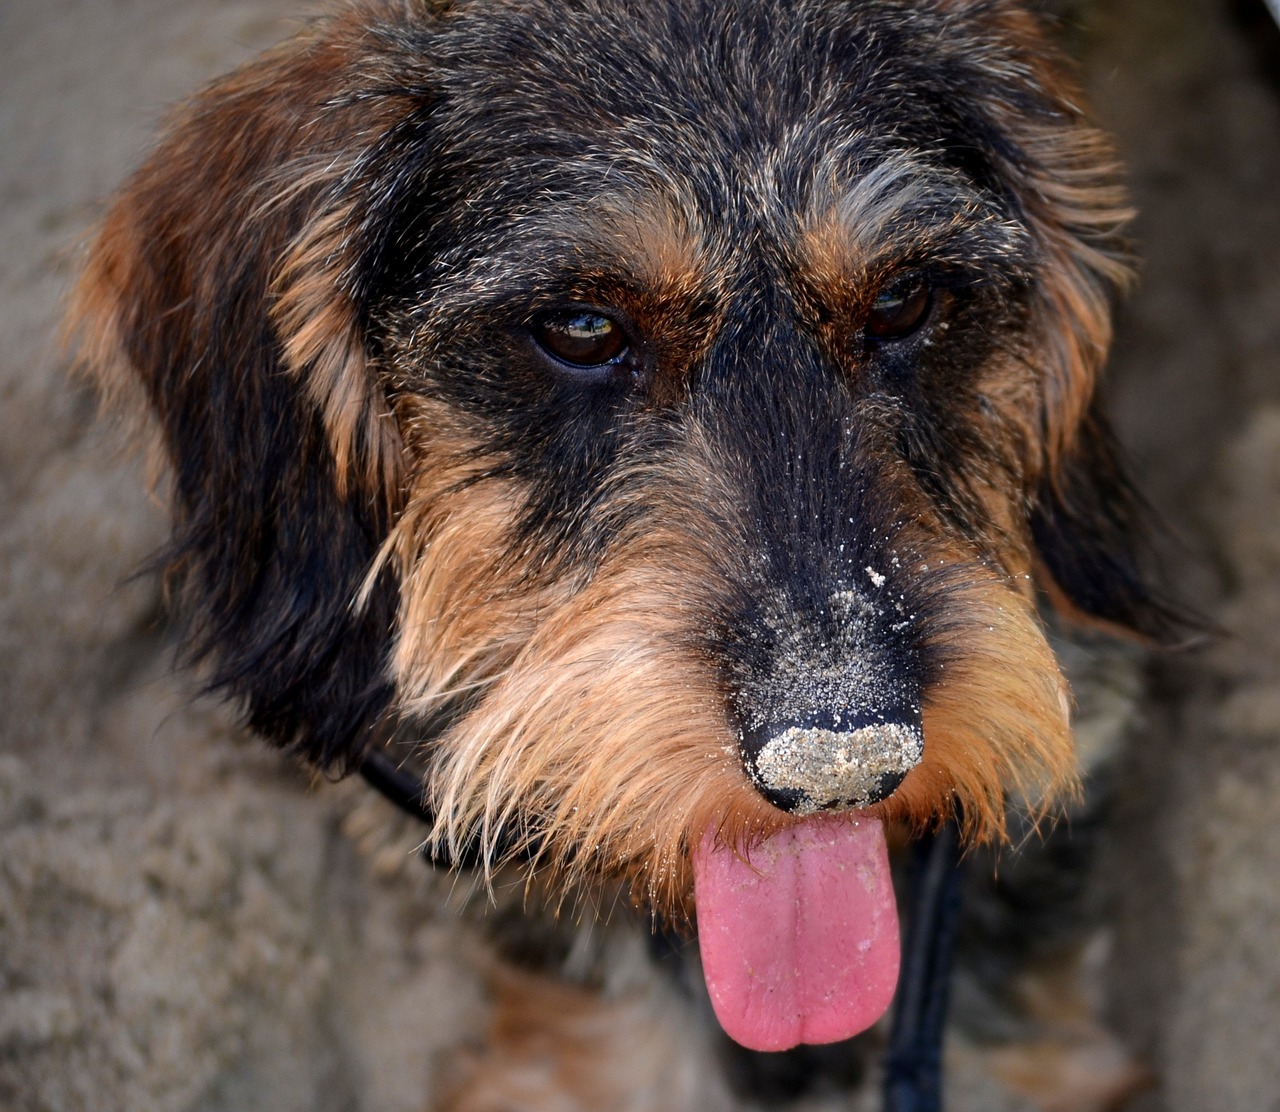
pixel 913 1059
pixel 392 781
pixel 403 786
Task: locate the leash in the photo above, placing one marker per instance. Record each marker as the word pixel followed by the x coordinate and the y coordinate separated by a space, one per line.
pixel 913 1058
pixel 404 789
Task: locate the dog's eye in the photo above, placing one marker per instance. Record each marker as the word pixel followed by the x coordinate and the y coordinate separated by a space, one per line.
pixel 582 338
pixel 900 310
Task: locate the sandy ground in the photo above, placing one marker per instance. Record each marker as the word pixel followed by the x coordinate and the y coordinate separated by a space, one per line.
pixel 187 924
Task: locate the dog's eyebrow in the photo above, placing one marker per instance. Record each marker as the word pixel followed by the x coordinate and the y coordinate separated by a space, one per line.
pixel 861 223
pixel 642 236
pixel 660 236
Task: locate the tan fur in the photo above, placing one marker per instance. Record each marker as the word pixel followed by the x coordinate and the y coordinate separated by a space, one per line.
pixel 92 330
pixel 556 1047
pixel 1073 316
pixel 322 346
pixel 551 756
pixel 464 614
pixel 552 762
pixel 858 228
pixel 997 725
pixel 1077 207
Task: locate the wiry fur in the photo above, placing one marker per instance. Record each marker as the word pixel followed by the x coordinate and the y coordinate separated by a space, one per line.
pixel 390 511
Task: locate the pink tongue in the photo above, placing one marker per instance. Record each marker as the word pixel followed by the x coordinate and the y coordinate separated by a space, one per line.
pixel 800 945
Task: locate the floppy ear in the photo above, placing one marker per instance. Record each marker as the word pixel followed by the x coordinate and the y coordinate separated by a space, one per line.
pixel 228 279
pixel 1088 524
pixel 1090 528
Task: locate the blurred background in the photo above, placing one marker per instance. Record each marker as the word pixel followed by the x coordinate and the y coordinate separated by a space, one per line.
pixel 186 923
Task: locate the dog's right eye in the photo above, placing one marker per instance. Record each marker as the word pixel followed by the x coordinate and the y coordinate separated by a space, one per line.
pixel 900 311
pixel 582 339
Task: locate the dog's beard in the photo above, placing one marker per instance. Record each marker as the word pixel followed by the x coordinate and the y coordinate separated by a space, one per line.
pixel 602 745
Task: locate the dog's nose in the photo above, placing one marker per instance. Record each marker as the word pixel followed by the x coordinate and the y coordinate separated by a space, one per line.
pixel 832 760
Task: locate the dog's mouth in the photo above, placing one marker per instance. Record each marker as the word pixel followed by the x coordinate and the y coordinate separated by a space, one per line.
pixel 799 936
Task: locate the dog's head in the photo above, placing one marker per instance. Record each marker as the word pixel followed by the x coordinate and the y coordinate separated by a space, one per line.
pixel 672 402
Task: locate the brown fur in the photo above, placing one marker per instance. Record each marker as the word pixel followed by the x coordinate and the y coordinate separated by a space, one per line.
pixel 609 1050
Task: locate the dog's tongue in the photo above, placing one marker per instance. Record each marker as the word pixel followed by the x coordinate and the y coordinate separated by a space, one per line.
pixel 801 944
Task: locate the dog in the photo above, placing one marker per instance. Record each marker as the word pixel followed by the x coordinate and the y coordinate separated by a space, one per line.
pixel 660 422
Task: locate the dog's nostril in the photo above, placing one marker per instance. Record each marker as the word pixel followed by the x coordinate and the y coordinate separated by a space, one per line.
pixel 786 799
pixel 886 784
pixel 824 762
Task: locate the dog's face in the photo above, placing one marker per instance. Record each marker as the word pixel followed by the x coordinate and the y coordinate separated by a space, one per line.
pixel 663 407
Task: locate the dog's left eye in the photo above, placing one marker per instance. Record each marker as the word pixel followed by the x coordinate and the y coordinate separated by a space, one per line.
pixel 900 310
pixel 582 338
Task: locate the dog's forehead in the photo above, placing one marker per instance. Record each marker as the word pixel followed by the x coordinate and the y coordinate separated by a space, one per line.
pixel 672 131
pixel 721 93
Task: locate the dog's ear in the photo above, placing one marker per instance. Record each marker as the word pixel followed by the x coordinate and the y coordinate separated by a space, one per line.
pixel 229 280
pixel 1092 537
pixel 1089 525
